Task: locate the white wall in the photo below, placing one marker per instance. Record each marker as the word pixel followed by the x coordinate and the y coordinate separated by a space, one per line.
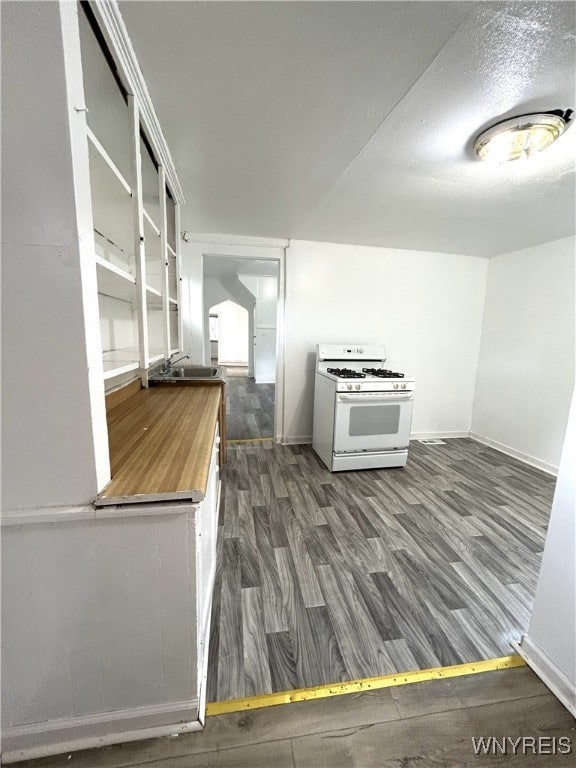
pixel 550 644
pixel 233 335
pixel 425 307
pixel 526 368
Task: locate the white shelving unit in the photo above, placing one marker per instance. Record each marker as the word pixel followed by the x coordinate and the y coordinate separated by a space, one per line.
pixel 135 219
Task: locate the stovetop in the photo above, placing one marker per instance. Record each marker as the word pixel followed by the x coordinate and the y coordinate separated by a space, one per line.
pixel 363 363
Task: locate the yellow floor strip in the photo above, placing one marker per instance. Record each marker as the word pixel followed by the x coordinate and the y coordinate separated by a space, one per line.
pixel 251 440
pixel 358 686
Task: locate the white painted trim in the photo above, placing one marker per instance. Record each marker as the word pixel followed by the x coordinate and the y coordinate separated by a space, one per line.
pixel 107 159
pixel 205 639
pixel 279 392
pixel 164 259
pixel 438 435
pixel 550 469
pixel 256 248
pixel 83 228
pixel 51 515
pixel 139 244
pixel 47 515
pixel 208 238
pixel 305 440
pixel 560 685
pixel 26 742
pixel 111 23
pixel 178 255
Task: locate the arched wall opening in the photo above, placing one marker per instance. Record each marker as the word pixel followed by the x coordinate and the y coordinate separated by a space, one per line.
pixel 229 328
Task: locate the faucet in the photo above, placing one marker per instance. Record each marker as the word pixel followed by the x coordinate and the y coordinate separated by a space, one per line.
pixel 168 364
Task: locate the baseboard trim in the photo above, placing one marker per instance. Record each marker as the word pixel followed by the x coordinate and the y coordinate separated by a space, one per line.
pixel 550 469
pixel 307 439
pixel 27 742
pixel 548 672
pixel 438 435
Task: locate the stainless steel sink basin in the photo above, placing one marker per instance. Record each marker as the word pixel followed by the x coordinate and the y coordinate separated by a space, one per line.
pixel 188 372
pixel 194 372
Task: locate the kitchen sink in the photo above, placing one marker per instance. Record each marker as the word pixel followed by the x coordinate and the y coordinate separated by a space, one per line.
pixel 194 372
pixel 188 372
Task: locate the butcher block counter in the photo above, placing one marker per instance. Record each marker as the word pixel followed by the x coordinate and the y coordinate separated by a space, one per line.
pixel 161 442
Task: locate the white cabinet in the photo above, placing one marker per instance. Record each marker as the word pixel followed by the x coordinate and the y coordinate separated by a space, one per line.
pixel 135 222
pixel 122 594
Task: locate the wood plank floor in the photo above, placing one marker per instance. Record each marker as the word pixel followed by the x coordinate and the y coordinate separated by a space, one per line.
pixel 249 406
pixel 419 725
pixel 327 577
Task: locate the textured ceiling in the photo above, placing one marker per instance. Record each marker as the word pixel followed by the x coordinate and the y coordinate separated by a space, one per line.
pixel 352 121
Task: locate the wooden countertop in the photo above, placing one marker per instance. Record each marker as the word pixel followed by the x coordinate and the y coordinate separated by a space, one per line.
pixel 161 442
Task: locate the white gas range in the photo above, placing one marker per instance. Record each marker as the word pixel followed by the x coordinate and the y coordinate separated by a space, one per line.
pixel 362 410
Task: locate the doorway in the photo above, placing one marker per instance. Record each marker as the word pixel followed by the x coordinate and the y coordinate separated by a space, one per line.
pixel 241 336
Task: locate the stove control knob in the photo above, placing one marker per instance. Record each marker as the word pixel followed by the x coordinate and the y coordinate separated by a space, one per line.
pixel 403 386
pixel 349 386
pixel 357 386
pixel 396 386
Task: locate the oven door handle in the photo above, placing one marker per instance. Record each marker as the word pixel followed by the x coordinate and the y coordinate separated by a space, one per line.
pixel 380 397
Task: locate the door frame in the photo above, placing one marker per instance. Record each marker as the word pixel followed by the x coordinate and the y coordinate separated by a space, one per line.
pixel 196 247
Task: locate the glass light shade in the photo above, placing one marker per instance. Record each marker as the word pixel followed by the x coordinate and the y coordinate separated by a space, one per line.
pixel 519 137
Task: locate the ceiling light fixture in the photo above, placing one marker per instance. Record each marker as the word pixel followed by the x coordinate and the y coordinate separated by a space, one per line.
pixel 520 137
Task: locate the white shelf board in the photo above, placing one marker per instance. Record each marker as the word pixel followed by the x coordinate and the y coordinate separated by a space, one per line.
pixel 155 358
pixel 114 281
pixel 153 298
pixel 173 351
pixel 108 160
pixel 173 301
pixel 171 250
pixel 117 361
pixel 151 222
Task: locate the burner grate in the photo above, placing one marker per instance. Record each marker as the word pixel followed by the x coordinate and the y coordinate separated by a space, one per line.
pixel 346 373
pixel 383 373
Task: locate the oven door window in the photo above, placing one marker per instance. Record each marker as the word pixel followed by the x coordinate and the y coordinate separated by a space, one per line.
pixel 373 420
pixel 362 426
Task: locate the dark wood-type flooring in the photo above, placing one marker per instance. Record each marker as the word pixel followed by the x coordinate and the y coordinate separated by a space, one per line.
pixel 327 577
pixel 249 406
pixel 412 726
